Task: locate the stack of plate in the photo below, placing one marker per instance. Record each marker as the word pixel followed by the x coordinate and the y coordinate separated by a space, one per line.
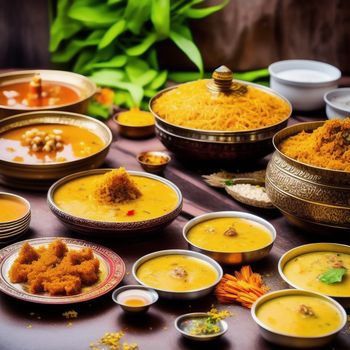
pixel 10 230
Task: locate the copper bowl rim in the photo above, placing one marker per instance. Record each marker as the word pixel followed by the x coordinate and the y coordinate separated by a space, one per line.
pixel 298 128
pixel 92 86
pixel 222 132
pixel 156 153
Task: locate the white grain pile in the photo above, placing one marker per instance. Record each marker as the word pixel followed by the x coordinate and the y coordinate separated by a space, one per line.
pixel 249 191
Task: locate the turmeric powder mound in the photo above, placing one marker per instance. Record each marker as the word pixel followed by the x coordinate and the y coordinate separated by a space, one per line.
pixel 54 269
pixel 327 146
pixel 116 186
pixel 191 105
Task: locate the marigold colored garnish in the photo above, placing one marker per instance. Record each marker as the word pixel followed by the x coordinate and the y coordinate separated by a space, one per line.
pixel 245 287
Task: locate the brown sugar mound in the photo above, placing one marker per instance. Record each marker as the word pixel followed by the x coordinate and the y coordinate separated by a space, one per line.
pixel 55 269
pixel 327 146
pixel 116 186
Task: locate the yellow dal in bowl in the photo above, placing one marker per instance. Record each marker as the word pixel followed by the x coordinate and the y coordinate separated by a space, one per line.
pixel 283 315
pixel 11 209
pixel 135 117
pixel 210 235
pixel 161 273
pixel 304 272
pixel 76 197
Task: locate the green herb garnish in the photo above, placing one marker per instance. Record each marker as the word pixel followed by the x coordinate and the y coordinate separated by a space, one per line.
pixel 228 182
pixel 333 275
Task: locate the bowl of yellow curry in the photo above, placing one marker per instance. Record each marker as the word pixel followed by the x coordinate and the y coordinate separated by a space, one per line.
pixel 177 273
pixel 37 148
pixel 230 237
pixel 115 202
pixel 319 267
pixel 298 318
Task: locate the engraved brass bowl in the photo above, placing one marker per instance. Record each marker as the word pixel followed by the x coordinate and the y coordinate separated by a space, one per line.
pixel 313 198
pixel 209 145
pixel 84 86
pixel 38 176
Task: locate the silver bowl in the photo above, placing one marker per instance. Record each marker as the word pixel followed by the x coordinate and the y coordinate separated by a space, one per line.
pixel 286 340
pixel 209 145
pixel 83 85
pixel 337 103
pixel 108 228
pixel 309 248
pixel 188 295
pixel 234 258
pixel 180 327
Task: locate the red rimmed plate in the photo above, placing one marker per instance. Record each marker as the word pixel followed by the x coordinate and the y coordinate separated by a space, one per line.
pixel 112 269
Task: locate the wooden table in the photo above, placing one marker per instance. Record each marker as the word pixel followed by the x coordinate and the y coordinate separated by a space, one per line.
pixel 27 326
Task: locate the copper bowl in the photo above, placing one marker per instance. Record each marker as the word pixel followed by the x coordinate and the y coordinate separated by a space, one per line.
pixel 38 176
pixel 315 199
pixel 210 145
pixel 109 228
pixel 85 87
pixel 151 167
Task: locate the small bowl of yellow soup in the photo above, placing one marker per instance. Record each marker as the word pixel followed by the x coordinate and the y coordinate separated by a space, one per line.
pixel 298 318
pixel 230 237
pixel 135 124
pixel 153 161
pixel 15 214
pixel 38 148
pixel 178 273
pixel 72 199
pixel 319 267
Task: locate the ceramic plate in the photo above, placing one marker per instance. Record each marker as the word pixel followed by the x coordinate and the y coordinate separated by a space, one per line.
pixel 112 269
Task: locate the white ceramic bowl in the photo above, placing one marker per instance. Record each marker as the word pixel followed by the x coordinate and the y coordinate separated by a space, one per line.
pixel 303 82
pixel 338 103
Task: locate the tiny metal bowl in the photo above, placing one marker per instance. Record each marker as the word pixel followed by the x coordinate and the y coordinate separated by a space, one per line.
pixel 180 324
pixel 85 87
pixel 186 295
pixel 234 258
pixel 287 340
pixel 145 157
pixel 145 293
pixel 338 103
pixel 309 248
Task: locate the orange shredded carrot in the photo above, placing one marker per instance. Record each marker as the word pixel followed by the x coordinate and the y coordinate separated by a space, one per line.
pixel 244 287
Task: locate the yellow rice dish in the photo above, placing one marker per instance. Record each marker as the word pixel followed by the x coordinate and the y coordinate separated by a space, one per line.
pixel 191 105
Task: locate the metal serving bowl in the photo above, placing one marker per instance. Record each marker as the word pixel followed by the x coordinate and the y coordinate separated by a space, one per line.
pixel 196 144
pixel 313 198
pixel 309 248
pixel 134 131
pixel 234 258
pixel 108 228
pixel 155 168
pixel 40 175
pixel 84 86
pixel 286 340
pixel 188 295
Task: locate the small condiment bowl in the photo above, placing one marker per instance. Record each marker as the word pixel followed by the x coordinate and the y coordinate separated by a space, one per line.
pixel 153 161
pixel 143 298
pixel 181 322
pixel 231 258
pixel 303 82
pixel 338 103
pixel 290 341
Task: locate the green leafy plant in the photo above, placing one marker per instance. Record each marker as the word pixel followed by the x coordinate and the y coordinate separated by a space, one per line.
pixel 114 41
pixel 333 275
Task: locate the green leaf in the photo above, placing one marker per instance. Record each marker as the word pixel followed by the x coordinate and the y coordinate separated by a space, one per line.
pixel 333 275
pixel 112 2
pixel 98 110
pixel 160 16
pixel 136 14
pixel 142 47
pixel 187 46
pixel 153 59
pixel 252 75
pixel 101 14
pixel 158 81
pixel 115 62
pixel 136 67
pixel 112 33
pixel 123 99
pixel 105 76
pixel 182 77
pixel 204 12
pixel 82 61
pixel 228 182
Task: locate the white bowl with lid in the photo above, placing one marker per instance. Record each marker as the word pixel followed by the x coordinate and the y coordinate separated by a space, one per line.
pixel 303 82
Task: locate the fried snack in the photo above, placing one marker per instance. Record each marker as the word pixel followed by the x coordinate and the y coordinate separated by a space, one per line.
pixel 55 269
pixel 116 186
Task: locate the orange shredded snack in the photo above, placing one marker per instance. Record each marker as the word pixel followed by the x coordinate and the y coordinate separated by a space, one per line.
pixel 192 105
pixel 245 287
pixel 327 146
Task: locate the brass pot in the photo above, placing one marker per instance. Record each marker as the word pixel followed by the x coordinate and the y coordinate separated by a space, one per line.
pixel 83 85
pixel 313 198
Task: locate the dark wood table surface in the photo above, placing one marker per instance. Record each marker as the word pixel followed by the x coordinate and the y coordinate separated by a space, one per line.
pixel 28 326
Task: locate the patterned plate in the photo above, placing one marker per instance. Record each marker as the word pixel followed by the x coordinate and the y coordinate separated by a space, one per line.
pixel 112 269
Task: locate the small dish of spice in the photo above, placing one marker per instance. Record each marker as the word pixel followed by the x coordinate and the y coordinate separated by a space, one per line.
pixel 154 161
pixel 135 298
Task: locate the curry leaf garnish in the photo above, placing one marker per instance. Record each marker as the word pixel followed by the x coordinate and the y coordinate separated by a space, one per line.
pixel 333 275
pixel 228 182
